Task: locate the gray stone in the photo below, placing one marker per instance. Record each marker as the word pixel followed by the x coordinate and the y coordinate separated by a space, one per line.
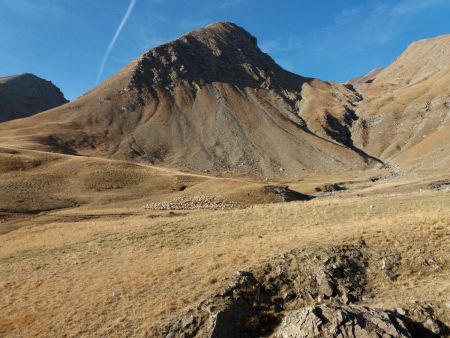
pixel 400 311
pixel 341 321
pixel 187 320
pixel 344 298
pixel 326 289
pixel 278 270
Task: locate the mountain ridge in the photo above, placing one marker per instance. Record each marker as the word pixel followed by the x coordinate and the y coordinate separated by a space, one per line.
pixel 408 100
pixel 211 100
pixel 23 95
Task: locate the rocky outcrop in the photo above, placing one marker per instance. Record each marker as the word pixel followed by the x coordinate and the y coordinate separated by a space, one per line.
pixel 326 321
pixel 25 95
pixel 282 193
pixel 304 294
pixel 254 302
pixel 221 52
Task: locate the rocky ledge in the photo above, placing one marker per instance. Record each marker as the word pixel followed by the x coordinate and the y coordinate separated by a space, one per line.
pixel 302 293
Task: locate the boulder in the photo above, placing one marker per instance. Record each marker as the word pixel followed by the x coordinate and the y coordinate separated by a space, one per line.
pixel 341 321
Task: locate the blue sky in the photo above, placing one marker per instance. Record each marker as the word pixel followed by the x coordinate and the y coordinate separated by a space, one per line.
pixel 65 40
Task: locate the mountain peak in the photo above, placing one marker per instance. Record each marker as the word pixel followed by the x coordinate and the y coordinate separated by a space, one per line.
pixel 26 75
pixel 26 94
pixel 219 52
pixel 418 62
pixel 226 31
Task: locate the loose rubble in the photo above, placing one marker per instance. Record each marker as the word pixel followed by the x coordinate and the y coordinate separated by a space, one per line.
pixel 329 188
pixel 440 185
pixel 195 202
pixel 389 265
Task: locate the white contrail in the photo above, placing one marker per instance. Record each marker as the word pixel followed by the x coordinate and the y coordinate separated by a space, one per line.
pixel 114 39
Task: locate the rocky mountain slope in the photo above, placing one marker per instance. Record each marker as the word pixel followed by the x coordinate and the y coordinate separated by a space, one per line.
pixel 25 95
pixel 367 78
pixel 208 101
pixel 213 101
pixel 405 111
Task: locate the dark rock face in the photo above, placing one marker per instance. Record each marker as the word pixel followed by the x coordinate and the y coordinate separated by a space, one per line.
pixel 25 95
pixel 285 194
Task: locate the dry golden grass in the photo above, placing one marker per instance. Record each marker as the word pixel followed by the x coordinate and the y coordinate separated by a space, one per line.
pixel 104 266
pixel 35 181
pixel 120 276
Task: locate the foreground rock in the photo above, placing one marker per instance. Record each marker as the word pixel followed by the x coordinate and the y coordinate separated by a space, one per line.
pixel 25 95
pixel 342 321
pixel 304 294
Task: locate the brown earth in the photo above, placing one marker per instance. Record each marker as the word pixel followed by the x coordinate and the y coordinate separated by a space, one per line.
pixel 210 100
pixel 405 111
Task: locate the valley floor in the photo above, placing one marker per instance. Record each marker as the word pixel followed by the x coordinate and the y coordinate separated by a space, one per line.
pixel 112 268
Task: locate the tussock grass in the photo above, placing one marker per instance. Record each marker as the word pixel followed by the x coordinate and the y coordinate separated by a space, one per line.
pixel 113 179
pixel 121 276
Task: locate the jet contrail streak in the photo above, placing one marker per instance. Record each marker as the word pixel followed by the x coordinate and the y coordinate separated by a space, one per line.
pixel 114 39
